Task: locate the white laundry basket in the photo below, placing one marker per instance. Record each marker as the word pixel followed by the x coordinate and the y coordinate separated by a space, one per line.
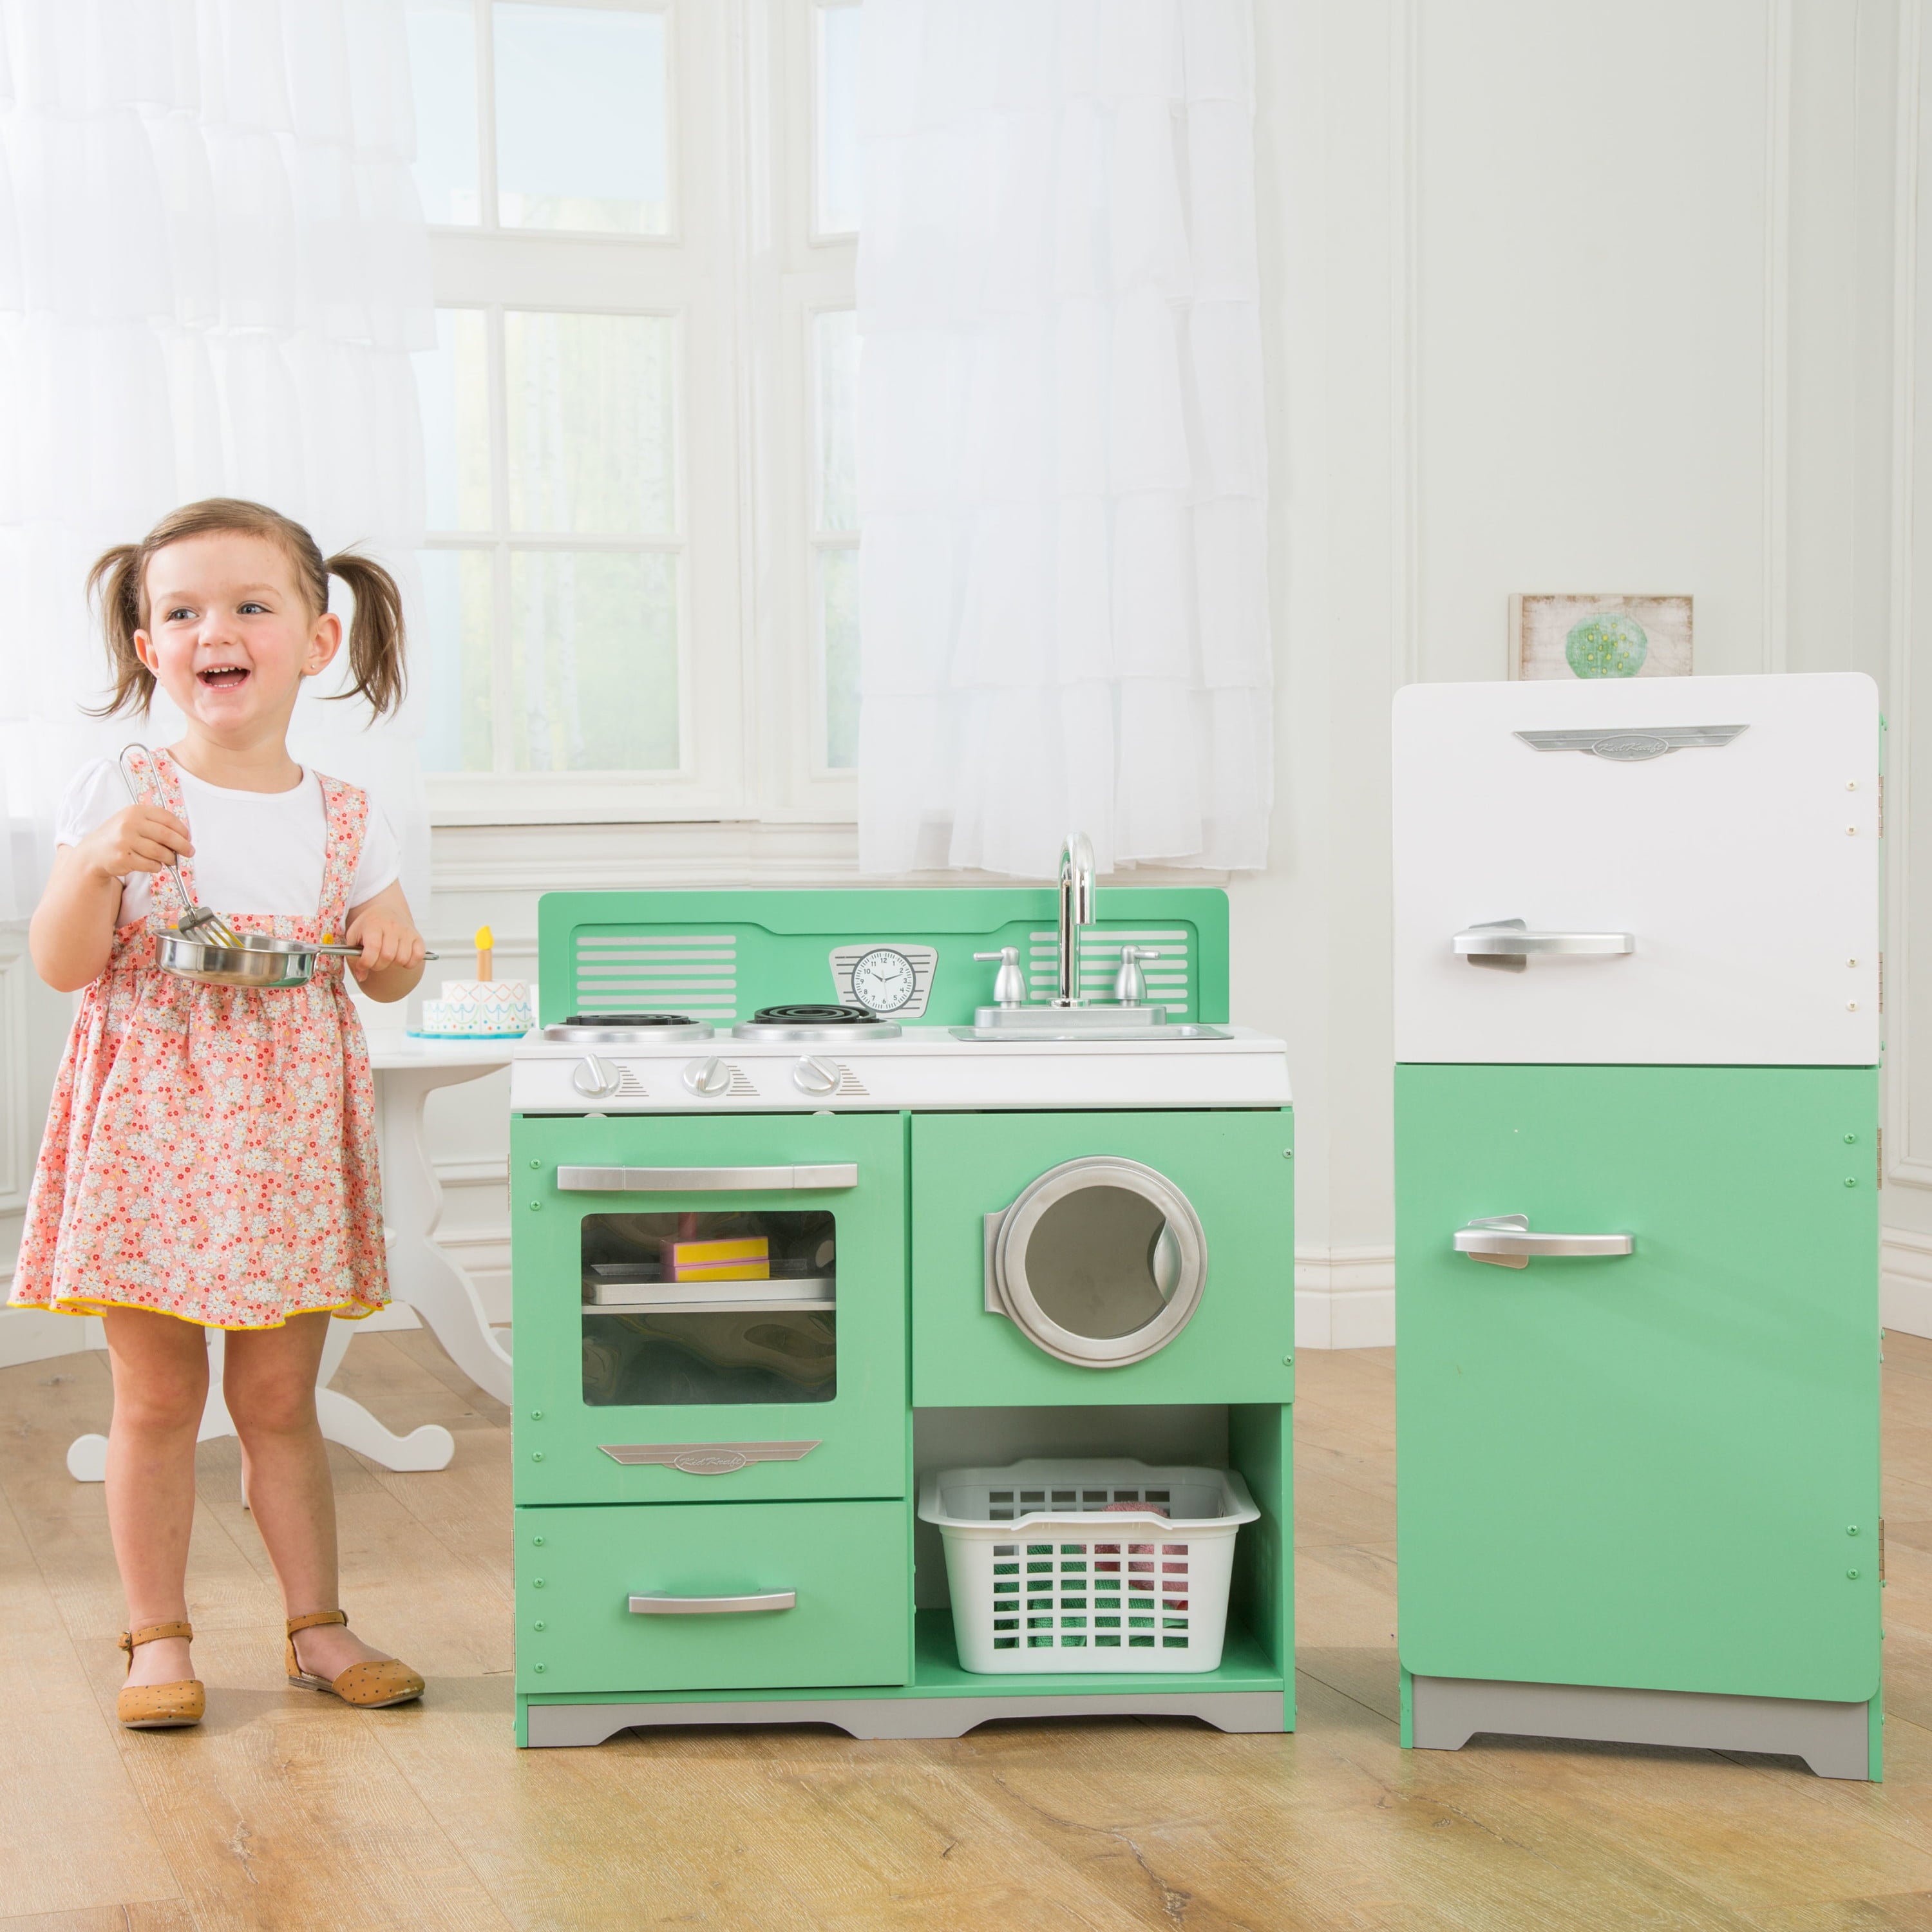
pixel 1047 1575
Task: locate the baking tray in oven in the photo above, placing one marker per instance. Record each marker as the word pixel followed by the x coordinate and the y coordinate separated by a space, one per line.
pixel 635 1285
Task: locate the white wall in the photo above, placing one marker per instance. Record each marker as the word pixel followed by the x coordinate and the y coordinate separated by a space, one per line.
pixel 1567 296
pixel 1908 678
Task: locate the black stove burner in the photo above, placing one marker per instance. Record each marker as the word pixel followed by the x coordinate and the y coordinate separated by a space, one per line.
pixel 628 1020
pixel 815 1016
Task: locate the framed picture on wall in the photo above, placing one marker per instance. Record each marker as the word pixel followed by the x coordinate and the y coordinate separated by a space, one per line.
pixel 1564 635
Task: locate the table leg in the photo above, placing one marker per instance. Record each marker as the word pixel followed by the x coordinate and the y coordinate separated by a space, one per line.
pixel 344 1420
pixel 421 1273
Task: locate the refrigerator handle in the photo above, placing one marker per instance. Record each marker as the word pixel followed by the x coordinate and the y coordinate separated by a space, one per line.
pixel 1508 943
pixel 1505 1240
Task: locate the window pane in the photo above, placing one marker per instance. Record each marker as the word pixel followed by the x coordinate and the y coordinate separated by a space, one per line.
pixel 593 652
pixel 581 123
pixel 455 660
pixel 591 422
pixel 836 142
pixel 834 353
pixel 839 631
pixel 443 72
pixel 453 383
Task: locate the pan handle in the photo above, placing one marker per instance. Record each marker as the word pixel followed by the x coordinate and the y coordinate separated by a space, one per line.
pixel 355 952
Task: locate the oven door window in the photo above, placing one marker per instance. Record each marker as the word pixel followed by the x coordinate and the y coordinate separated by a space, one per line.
pixel 712 1310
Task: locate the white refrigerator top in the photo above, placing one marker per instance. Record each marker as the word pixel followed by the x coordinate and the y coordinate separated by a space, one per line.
pixel 1725 829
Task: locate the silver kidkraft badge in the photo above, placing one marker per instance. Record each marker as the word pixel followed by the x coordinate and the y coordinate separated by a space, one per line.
pixel 1632 747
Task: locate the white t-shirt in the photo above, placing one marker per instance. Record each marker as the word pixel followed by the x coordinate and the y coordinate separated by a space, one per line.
pixel 254 851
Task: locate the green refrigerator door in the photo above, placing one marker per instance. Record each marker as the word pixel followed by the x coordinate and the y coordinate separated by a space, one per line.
pixel 1658 1470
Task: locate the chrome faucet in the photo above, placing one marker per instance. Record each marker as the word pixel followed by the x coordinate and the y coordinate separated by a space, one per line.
pixel 1076 910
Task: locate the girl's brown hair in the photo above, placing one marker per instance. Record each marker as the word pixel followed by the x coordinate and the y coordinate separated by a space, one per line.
pixel 119 578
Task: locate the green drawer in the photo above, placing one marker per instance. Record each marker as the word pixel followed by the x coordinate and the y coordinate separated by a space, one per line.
pixel 849 1564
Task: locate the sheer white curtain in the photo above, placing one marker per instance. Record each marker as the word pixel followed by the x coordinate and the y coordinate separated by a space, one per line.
pixel 1062 474
pixel 213 269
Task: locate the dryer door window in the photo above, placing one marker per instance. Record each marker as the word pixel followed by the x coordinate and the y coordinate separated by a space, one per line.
pixel 1100 1261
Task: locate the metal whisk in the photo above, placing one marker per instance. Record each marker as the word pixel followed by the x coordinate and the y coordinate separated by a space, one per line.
pixel 195 920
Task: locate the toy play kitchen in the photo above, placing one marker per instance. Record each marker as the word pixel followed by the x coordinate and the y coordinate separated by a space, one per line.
pixel 1637 1030
pixel 904 1314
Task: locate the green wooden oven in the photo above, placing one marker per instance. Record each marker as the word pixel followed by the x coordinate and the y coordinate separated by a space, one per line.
pixel 768 1276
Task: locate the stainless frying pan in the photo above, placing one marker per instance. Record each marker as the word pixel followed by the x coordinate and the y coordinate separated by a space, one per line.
pixel 256 960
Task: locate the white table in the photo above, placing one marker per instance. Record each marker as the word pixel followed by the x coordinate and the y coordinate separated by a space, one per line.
pixel 421 1275
pixel 421 1272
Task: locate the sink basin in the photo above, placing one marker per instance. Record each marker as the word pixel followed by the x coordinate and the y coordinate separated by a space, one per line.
pixel 1150 1025
pixel 1069 1022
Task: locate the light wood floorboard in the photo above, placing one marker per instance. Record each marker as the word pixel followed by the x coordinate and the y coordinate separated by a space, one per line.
pixel 286 1810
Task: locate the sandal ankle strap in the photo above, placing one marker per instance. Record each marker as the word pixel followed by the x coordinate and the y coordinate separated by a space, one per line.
pixel 132 1640
pixel 313 1618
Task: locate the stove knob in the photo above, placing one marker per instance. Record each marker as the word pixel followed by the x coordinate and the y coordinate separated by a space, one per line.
pixel 707 1076
pixel 596 1079
pixel 811 1075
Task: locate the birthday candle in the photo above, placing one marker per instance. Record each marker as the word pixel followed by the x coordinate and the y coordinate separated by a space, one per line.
pixel 486 941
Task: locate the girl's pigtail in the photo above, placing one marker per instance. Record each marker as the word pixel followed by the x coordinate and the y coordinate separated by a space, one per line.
pixel 115 579
pixel 375 631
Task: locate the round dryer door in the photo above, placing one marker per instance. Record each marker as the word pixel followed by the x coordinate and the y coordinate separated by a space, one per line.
pixel 1100 1261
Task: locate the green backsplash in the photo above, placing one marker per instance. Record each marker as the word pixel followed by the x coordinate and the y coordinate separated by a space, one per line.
pixel 751 949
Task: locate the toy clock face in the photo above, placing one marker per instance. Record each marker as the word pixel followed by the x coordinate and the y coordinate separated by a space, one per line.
pixel 883 981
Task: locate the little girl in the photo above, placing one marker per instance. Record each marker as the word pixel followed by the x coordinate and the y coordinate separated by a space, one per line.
pixel 210 1156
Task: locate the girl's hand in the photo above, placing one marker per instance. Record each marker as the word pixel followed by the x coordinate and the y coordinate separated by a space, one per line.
pixel 141 838
pixel 392 948
pixel 386 942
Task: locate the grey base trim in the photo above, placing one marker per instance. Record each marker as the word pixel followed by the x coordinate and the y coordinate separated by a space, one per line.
pixel 1446 1712
pixel 554 1724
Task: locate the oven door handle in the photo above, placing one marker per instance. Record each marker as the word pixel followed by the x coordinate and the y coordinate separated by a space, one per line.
pixel 704 1180
pixel 656 1605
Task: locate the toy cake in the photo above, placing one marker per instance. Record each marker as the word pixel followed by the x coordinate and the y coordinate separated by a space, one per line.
pixel 483 1006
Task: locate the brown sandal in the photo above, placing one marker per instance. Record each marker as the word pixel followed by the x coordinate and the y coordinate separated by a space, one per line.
pixel 370 1687
pixel 159 1707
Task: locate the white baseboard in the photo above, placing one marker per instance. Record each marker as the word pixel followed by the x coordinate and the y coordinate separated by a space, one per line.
pixel 484 1256
pixel 1905 1282
pixel 1344 1298
pixel 32 1335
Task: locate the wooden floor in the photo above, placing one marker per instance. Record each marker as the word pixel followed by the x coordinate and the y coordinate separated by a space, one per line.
pixel 288 1810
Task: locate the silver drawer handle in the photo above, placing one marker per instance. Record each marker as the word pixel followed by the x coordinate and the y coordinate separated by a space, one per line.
pixel 1509 943
pixel 702 1179
pixel 1504 1241
pixel 702 1606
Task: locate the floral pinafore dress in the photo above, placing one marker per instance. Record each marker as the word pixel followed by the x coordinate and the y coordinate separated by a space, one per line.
pixel 211 1151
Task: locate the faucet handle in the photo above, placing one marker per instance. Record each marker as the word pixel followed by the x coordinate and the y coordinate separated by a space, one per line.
pixel 1130 982
pixel 1009 986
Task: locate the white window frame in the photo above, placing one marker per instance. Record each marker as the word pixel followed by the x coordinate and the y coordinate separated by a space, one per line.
pixel 744 274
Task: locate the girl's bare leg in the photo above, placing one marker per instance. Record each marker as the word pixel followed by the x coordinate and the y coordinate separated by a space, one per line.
pixel 159 1365
pixel 269 1385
